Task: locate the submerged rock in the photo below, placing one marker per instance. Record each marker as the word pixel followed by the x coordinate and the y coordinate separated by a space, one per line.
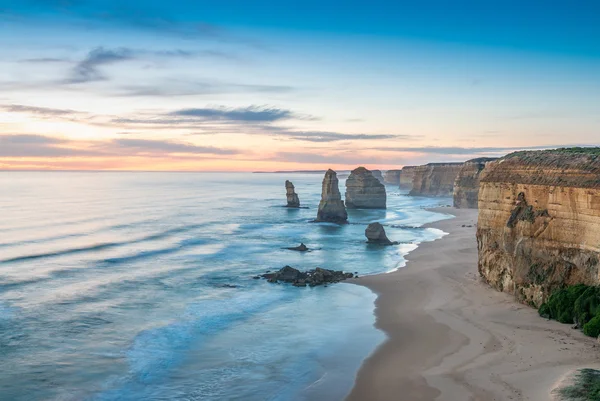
pixel 375 234
pixel 299 248
pixel 331 207
pixel 364 191
pixel 312 278
pixel 291 195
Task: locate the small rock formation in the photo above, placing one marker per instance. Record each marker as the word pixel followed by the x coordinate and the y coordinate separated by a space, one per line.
pixel 435 179
pixel 299 248
pixel 538 228
pixel 392 177
pixel 292 197
pixel 364 191
pixel 375 234
pixel 466 186
pixel 331 207
pixel 312 278
pixel 407 175
pixel 377 174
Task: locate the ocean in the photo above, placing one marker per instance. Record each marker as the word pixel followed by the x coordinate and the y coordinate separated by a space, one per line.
pixel 139 286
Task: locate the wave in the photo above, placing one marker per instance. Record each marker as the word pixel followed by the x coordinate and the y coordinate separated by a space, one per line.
pixel 103 246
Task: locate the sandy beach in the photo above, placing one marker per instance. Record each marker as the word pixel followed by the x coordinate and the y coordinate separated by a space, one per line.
pixel 451 337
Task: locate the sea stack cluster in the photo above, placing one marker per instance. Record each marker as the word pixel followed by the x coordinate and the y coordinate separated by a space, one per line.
pixel 291 195
pixel 331 207
pixel 364 191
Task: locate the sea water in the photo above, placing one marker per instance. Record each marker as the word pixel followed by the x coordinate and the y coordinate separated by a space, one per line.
pixel 139 286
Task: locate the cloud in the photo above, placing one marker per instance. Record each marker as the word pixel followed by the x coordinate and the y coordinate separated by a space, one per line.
pixel 87 70
pixel 43 111
pixel 323 137
pixel 247 114
pixel 154 146
pixel 196 88
pixel 24 145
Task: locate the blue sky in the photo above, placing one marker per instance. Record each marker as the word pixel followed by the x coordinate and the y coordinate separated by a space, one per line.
pixel 239 85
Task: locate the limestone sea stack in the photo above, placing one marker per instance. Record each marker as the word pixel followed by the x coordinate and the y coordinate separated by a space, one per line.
pixel 392 177
pixel 331 207
pixel 291 195
pixel 466 186
pixel 364 191
pixel 407 175
pixel 435 179
pixel 375 234
pixel 539 222
pixel 377 174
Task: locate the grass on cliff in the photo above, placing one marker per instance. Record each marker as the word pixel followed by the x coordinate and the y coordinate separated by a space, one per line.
pixel 579 304
pixel 585 387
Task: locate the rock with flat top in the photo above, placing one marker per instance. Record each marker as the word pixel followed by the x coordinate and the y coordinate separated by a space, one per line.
pixel 364 191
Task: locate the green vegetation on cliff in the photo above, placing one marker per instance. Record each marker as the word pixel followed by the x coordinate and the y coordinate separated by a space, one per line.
pixel 579 304
pixel 585 387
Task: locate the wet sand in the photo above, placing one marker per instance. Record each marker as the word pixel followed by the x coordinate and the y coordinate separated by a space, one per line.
pixel 452 337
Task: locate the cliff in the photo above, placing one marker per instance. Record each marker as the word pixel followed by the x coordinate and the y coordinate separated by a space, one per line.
pixel 435 179
pixel 539 222
pixel 407 175
pixel 331 207
pixel 466 186
pixel 291 195
pixel 364 191
pixel 392 177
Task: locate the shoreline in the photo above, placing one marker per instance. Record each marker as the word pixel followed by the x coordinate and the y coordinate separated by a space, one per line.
pixel 452 337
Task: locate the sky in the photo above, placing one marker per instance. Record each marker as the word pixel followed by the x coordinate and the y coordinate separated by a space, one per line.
pixel 265 85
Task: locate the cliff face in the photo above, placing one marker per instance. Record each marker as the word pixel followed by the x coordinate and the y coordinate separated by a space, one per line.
pixel 364 191
pixel 539 222
pixel 331 207
pixel 435 179
pixel 466 186
pixel 392 177
pixel 407 175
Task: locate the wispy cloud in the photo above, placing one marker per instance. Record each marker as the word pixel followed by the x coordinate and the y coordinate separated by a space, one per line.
pixel 247 114
pixel 42 111
pixel 87 70
pixel 153 146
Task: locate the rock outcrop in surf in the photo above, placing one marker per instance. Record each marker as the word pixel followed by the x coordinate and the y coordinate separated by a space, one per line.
pixel 375 234
pixel 311 278
pixel 364 191
pixel 291 195
pixel 331 207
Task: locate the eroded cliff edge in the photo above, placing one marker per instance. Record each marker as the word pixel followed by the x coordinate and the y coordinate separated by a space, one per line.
pixel 466 186
pixel 435 179
pixel 539 222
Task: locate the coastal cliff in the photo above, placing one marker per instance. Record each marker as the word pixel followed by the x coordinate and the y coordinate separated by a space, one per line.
pixel 466 186
pixel 435 179
pixel 539 222
pixel 392 177
pixel 407 175
pixel 364 191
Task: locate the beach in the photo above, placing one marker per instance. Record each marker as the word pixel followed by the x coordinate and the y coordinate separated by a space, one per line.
pixel 451 337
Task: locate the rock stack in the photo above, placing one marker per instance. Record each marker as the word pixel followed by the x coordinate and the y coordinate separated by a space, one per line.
pixel 331 207
pixel 377 174
pixel 364 191
pixel 392 177
pixel 376 235
pixel 291 195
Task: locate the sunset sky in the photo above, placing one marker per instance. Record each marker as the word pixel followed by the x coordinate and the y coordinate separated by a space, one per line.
pixel 279 85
